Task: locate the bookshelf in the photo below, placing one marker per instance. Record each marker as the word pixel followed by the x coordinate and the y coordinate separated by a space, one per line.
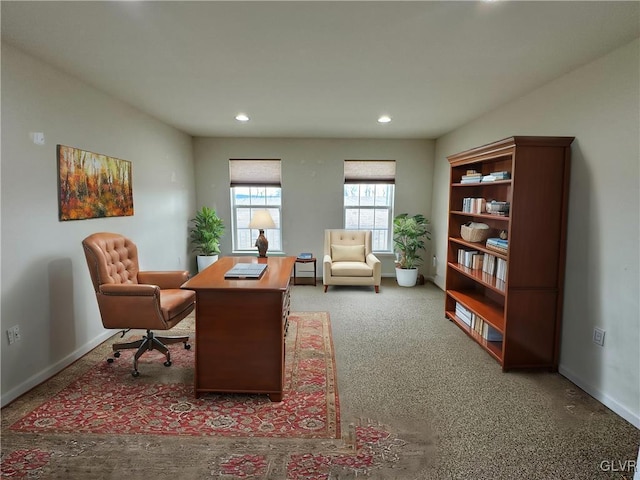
pixel 516 287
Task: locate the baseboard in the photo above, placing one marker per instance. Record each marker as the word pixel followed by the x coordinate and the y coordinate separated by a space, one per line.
pixel 632 417
pixel 50 371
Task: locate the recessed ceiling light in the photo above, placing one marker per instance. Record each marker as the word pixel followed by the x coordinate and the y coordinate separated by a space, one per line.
pixel 384 119
pixel 241 117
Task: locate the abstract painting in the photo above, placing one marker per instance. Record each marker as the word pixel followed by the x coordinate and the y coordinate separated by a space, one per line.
pixel 91 185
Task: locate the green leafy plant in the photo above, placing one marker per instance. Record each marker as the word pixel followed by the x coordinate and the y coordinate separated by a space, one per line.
pixel 409 233
pixel 205 232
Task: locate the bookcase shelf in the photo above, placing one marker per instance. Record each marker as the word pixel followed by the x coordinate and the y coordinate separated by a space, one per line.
pixel 525 305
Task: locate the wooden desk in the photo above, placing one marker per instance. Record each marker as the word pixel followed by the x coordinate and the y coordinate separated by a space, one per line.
pixel 240 328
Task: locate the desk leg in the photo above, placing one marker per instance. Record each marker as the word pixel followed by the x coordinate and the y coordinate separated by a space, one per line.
pixel 275 397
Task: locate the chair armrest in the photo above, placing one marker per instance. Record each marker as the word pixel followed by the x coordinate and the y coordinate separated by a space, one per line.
pixel 326 267
pixel 374 262
pixel 129 289
pixel 169 279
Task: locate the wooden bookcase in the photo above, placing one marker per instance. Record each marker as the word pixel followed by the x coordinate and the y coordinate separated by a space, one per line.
pixel 525 307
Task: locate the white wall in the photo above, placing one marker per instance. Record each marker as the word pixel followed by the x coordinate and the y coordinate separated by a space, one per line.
pixel 312 182
pixel 599 104
pixel 46 288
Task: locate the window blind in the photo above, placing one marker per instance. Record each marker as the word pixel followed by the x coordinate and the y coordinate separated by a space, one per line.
pixel 249 172
pixel 370 171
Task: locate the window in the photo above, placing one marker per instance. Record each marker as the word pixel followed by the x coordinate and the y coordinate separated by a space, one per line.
pixel 255 185
pixel 368 199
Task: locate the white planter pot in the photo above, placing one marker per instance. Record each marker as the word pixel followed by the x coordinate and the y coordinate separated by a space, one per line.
pixel 205 260
pixel 407 277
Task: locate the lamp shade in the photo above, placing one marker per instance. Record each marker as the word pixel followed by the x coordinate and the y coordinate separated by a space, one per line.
pixel 261 220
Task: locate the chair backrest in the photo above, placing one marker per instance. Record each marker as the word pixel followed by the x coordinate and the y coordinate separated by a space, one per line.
pixel 347 237
pixel 112 258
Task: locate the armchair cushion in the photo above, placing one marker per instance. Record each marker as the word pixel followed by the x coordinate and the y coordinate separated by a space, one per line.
pixel 351 269
pixel 347 253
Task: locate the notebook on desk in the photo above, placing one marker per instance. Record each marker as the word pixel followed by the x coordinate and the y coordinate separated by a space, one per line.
pixel 246 271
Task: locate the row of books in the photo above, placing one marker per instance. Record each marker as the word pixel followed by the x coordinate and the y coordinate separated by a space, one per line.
pixel 474 205
pixel 495 266
pixel 470 258
pixel 486 262
pixel 477 324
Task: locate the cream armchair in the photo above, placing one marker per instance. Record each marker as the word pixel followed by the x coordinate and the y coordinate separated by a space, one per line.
pixel 348 259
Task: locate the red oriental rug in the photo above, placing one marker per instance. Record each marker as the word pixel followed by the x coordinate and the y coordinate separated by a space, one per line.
pixel 106 399
pixel 95 421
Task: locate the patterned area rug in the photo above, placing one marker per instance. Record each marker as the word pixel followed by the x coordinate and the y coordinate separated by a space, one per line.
pixel 95 421
pixel 107 399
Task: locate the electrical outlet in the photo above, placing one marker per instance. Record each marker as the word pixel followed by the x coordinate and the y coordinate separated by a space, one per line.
pixel 598 336
pixel 13 334
pixel 16 333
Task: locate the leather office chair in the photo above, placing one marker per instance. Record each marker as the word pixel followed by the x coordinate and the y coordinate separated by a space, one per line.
pixel 348 259
pixel 131 299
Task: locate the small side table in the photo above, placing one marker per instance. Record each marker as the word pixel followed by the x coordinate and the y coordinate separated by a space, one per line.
pixel 304 260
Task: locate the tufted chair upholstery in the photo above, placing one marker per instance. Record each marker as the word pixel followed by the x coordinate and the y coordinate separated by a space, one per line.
pixel 131 299
pixel 348 259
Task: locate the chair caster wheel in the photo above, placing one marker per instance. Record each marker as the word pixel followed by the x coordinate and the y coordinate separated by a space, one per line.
pixel 117 354
pixel 187 346
pixel 109 360
pixel 135 373
pixel 167 363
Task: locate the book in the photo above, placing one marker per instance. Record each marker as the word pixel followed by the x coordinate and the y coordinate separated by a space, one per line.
pixel 491 334
pixel 244 271
pixel 305 256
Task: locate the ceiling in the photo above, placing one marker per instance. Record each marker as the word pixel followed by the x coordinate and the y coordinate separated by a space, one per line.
pixel 318 69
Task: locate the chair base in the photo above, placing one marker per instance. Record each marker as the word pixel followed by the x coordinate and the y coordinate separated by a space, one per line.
pixel 146 343
pixel 375 287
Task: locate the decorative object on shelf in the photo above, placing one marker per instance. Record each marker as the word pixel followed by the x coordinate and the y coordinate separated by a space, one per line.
pixel 409 233
pixel 262 220
pixel 305 256
pixel 474 231
pixel 91 185
pixel 205 233
pixel 497 208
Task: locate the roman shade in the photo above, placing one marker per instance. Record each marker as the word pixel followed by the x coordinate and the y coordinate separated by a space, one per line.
pixel 370 171
pixel 252 172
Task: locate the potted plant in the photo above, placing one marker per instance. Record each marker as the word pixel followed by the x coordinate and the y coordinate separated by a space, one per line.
pixel 205 233
pixel 409 233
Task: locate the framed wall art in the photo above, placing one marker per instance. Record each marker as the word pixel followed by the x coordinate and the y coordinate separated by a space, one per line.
pixel 91 185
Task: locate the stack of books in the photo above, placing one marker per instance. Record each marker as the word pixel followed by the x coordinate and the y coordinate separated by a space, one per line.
pixel 471 177
pixel 494 176
pixel 497 244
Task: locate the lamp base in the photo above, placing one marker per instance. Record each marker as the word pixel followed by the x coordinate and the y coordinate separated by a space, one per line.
pixel 263 244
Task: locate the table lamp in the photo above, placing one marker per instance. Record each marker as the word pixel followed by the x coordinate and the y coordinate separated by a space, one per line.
pixel 261 220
